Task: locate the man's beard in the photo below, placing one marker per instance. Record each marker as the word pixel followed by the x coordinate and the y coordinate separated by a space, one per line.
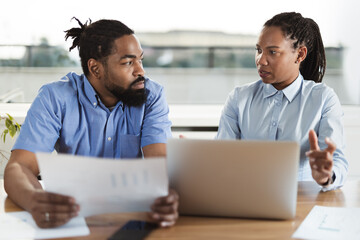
pixel 129 96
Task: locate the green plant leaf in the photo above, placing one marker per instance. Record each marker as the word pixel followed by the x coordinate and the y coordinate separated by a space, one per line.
pixel 10 117
pixel 3 135
pixel 12 130
pixel 8 123
pixel 12 127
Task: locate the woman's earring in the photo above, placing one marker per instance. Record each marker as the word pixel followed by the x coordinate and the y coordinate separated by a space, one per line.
pixel 297 62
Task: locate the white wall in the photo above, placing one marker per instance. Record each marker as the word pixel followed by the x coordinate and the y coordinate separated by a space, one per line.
pixel 208 116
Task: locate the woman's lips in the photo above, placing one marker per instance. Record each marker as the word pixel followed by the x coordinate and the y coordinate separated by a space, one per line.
pixel 263 74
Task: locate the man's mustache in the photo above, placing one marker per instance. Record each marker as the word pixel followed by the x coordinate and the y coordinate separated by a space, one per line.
pixel 139 79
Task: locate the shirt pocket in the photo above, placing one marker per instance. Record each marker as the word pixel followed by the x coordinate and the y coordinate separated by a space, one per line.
pixel 130 146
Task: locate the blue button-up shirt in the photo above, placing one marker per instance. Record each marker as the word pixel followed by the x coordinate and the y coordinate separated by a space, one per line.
pixel 258 111
pixel 68 116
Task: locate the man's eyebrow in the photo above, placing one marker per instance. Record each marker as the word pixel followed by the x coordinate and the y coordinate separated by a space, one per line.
pixel 131 56
pixel 128 56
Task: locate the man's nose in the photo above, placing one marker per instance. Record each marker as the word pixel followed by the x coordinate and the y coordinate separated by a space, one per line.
pixel 139 69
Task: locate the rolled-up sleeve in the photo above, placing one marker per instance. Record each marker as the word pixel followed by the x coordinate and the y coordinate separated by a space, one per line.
pixel 156 124
pixel 42 124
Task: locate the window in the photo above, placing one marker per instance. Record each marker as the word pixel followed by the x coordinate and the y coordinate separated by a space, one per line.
pixel 198 55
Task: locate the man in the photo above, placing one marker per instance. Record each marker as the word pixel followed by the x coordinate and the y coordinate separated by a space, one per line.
pixel 111 110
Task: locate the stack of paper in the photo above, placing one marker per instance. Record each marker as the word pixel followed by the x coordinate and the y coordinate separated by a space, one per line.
pixel 330 223
pixel 105 185
pixel 20 225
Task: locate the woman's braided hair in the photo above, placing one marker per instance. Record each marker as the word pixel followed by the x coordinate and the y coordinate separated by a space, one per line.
pixel 305 32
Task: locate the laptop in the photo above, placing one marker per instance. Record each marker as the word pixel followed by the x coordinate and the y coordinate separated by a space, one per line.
pixel 234 178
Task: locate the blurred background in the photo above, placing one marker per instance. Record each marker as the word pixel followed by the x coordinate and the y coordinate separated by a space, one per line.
pixel 199 50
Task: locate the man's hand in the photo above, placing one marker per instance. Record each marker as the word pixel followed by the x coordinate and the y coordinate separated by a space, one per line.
pixel 22 186
pixel 52 210
pixel 321 161
pixel 165 209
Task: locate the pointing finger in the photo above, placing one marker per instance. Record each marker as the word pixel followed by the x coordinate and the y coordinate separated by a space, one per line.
pixel 313 140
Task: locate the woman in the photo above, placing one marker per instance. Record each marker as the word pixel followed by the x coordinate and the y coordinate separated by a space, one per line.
pixel 290 102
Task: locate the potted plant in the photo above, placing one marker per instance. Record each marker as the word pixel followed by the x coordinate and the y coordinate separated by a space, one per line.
pixel 11 128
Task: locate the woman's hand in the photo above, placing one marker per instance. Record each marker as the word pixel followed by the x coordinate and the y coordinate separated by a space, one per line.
pixel 321 161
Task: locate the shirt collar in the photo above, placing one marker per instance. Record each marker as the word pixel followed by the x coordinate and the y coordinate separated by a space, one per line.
pixel 289 92
pixel 90 92
pixel 269 90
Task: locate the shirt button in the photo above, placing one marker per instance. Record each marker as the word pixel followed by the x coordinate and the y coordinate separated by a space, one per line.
pixel 94 103
pixel 109 138
pixel 278 104
pixel 274 124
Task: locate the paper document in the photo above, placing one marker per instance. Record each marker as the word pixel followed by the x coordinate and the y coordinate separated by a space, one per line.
pixel 330 223
pixel 105 185
pixel 21 225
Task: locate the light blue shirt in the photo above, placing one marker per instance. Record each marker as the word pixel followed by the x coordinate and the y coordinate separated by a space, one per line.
pixel 258 111
pixel 68 116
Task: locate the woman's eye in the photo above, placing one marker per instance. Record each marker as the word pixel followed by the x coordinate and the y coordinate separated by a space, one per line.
pixel 272 52
pixel 258 50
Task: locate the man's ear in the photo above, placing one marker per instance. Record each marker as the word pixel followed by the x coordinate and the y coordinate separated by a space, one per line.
pixel 302 53
pixel 95 68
